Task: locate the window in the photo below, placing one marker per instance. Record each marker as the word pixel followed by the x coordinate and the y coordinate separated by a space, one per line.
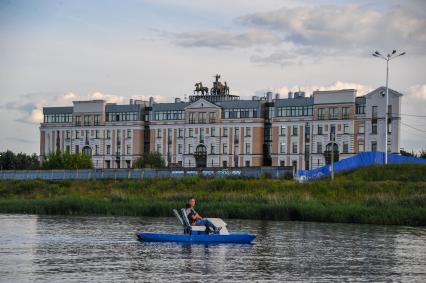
pixel 191 132
pixel 282 130
pixel 374 112
pixel 225 132
pixel 158 133
pixel 374 128
pixel 237 133
pixel 108 149
pixel 294 111
pixel 192 118
pixel 294 130
pixel 67 149
pixel 189 148
pixel 202 118
pixel 361 146
pixel 78 120
pixel 213 132
pixel 333 113
pixel 202 134
pixel 77 148
pixel 166 115
pixel 282 147
pixel 248 132
pixel 361 129
pixel 225 148
pixel 346 129
pixel 86 120
pixel 128 149
pixel 360 108
pixel 247 163
pixel 212 148
pixel 212 117
pixel 169 135
pixel 319 147
pixel 180 148
pixel 332 132
pixel 320 130
pixel 129 134
pixel 248 148
pixel 294 147
pixel 236 149
pixel 77 134
pixel 180 133
pixel 97 119
pixel 373 146
pixel 345 114
pixel 345 147
pixel 321 113
pixel 67 135
pixel 108 134
pixel 158 148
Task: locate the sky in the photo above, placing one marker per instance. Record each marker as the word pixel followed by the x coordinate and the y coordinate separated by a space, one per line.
pixel 54 52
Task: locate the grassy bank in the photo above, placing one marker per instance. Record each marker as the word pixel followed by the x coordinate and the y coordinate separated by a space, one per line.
pixel 395 194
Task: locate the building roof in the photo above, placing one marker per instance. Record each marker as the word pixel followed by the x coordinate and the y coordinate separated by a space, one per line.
pixel 57 110
pixel 239 104
pixel 360 100
pixel 299 101
pixel 123 108
pixel 169 106
pixel 382 88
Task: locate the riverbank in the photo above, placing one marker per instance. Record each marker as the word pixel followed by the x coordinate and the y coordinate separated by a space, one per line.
pixel 394 195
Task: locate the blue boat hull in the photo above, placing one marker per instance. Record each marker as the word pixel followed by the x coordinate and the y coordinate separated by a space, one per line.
pixel 239 238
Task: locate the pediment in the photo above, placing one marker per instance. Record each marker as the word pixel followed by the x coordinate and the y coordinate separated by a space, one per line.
pixel 200 104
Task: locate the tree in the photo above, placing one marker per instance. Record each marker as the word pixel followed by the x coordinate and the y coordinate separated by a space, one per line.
pixel 422 153
pixel 67 161
pixel 407 153
pixel 20 161
pixel 151 159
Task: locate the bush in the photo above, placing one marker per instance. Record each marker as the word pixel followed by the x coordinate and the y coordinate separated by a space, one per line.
pixel 150 159
pixel 67 161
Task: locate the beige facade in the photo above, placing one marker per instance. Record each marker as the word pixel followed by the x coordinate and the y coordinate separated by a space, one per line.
pixel 223 131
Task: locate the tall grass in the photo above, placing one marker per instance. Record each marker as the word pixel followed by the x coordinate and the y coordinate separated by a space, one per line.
pixel 378 195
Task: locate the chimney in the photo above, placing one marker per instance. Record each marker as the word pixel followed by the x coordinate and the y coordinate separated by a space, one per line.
pixel 277 96
pixel 290 95
pixel 151 101
pixel 255 97
pixel 177 100
pixel 131 101
pixel 269 96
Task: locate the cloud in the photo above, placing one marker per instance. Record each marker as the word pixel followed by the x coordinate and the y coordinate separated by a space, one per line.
pixel 30 106
pixel 417 92
pixel 225 39
pixel 344 26
pixel 310 33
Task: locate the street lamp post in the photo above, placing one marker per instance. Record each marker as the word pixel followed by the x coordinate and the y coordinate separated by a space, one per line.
pixel 387 58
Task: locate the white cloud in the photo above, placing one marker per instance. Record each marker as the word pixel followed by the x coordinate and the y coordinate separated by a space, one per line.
pixel 225 39
pixel 418 92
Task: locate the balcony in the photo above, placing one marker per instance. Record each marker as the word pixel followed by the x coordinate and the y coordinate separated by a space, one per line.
pixel 321 117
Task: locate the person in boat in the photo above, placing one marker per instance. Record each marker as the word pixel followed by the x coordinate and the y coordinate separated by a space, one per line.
pixel 196 219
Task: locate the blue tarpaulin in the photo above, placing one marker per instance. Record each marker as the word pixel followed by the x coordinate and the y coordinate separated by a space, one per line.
pixel 359 160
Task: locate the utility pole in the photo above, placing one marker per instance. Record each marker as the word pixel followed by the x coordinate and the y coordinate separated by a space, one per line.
pixel 387 59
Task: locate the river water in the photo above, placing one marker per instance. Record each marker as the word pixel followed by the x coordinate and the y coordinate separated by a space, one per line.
pixel 101 249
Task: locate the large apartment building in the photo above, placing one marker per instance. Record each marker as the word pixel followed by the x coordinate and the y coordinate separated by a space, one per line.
pixel 217 129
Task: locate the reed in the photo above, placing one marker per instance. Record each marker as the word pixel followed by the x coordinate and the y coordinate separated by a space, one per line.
pixel 393 194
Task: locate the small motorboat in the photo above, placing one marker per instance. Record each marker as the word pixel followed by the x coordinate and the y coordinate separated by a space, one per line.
pixel 197 234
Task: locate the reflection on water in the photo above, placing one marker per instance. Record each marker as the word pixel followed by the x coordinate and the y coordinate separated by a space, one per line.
pixel 58 248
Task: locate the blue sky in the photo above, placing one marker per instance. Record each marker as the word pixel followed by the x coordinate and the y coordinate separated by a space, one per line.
pixel 53 52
